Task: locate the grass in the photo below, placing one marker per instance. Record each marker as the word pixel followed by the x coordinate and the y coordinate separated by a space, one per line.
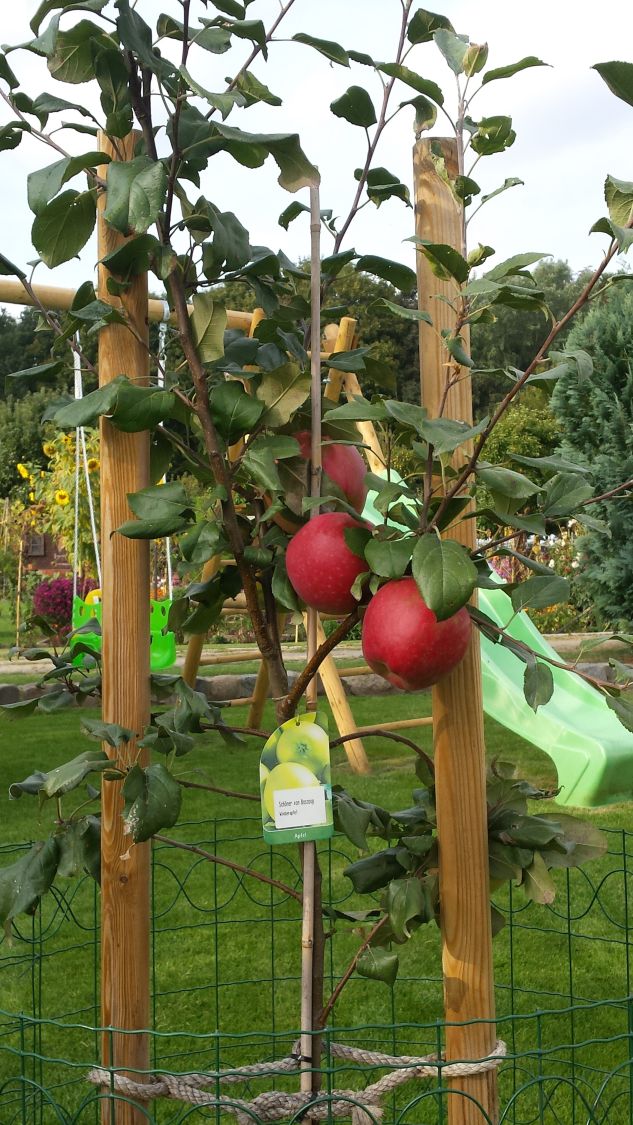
pixel 226 951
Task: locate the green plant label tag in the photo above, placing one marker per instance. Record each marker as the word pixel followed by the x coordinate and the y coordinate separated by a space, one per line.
pixel 295 781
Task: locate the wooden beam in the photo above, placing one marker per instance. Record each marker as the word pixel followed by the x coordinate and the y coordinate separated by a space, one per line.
pixel 125 868
pixel 458 714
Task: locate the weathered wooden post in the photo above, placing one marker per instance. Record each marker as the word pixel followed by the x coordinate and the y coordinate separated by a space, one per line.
pixel 125 870
pixel 457 711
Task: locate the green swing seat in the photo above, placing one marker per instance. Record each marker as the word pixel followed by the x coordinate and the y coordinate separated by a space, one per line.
pixel 162 653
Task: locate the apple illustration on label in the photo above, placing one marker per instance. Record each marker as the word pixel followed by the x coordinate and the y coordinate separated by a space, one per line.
pixel 405 643
pixel 320 565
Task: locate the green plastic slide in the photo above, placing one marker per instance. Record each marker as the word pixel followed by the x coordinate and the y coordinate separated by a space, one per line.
pixel 590 748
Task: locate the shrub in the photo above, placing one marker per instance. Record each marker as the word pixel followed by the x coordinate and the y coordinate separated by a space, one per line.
pixel 53 599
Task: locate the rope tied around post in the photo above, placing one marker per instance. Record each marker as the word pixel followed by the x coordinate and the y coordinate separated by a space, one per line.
pixel 362 1106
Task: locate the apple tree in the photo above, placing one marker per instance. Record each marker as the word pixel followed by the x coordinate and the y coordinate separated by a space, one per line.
pixel 118 72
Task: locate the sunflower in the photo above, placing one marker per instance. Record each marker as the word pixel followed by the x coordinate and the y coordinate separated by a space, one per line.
pixel 69 441
pixel 93 463
pixel 49 449
pixel 23 471
pixel 62 497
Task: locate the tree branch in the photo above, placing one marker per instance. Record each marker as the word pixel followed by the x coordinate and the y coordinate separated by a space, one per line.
pixel 313 665
pixel 230 864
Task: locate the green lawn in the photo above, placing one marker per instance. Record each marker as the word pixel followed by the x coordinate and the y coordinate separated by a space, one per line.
pixel 226 953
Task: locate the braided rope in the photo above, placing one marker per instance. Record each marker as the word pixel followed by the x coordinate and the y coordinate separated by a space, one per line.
pixel 362 1106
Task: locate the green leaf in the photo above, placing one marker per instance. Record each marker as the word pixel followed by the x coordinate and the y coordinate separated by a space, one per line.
pixel 71 57
pixel 564 494
pixel 375 871
pixel 351 818
pixel 619 197
pixel 295 170
pixel 401 277
pixel 234 411
pixel 224 102
pixel 512 68
pixel 152 801
pixel 446 435
pixel 390 557
pixel 292 211
pixel 112 733
pixel 44 184
pixel 453 47
pixel 283 591
pixel 136 36
pixel 619 78
pixel 514 265
pixel 422 85
pixel 405 903
pixel 582 842
pixel 64 226
pixel 209 323
pixel 71 774
pixel 135 194
pixel 6 74
pixel 445 574
pixel 493 134
pixel 423 25
pixel 382 185
pixel 355 106
pixel 332 51
pixel 425 113
pixel 131 408
pixel 444 260
pixel 23 883
pixel 162 509
pixel 376 963
pixel 48 6
pixel 475 58
pixel 537 882
pixel 80 848
pixel 404 313
pixel 260 459
pixel 509 182
pixel 282 392
pixel 538 684
pixel 505 482
pixel 358 409
pixel 8 269
pixel 252 90
pixel 455 347
pixel 540 592
pixel 43 370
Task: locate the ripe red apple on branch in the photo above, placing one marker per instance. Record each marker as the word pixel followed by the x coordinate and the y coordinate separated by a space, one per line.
pixel 343 464
pixel 405 643
pixel 320 565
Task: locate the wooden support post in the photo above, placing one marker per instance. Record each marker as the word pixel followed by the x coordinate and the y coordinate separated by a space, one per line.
pixel 341 710
pixel 458 717
pixel 125 869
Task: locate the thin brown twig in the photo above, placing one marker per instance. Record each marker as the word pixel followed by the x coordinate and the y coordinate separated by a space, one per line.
pixel 349 970
pixel 376 732
pixel 555 331
pixel 217 789
pixel 313 665
pixel 228 863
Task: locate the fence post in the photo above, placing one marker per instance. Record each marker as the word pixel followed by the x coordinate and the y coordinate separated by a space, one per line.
pixel 125 870
pixel 457 712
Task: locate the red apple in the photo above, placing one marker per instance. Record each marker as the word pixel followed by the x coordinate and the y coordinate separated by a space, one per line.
pixel 403 640
pixel 320 565
pixel 343 464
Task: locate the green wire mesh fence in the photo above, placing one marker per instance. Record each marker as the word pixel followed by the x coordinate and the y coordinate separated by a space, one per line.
pixel 225 993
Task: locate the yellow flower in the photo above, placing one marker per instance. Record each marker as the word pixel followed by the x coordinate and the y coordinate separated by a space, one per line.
pixel 93 464
pixel 42 474
pixel 62 497
pixel 69 441
pixel 31 496
pixel 23 471
pixel 49 449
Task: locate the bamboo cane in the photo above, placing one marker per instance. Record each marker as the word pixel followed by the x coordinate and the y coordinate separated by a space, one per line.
pixel 125 869
pixel 458 717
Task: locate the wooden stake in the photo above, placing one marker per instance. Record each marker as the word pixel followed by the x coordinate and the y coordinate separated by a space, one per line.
pixel 458 717
pixel 125 869
pixel 56 298
pixel 341 710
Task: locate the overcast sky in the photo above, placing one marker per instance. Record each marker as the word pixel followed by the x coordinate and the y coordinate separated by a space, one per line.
pixel 571 131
